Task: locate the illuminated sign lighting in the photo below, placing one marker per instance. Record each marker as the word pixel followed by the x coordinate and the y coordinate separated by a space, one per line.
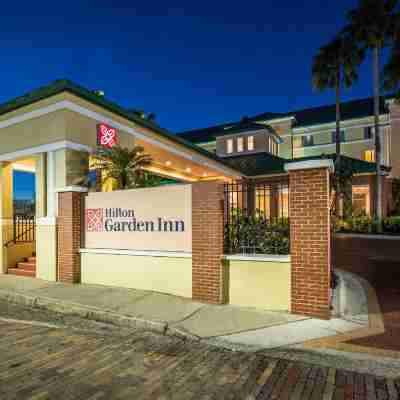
pixel 106 136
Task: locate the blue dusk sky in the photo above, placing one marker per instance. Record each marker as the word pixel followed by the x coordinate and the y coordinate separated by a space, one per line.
pixel 192 63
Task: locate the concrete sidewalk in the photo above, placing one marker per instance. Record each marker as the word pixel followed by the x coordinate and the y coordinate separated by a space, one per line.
pixel 229 326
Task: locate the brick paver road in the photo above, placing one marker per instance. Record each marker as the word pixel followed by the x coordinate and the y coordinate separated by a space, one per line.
pixel 40 362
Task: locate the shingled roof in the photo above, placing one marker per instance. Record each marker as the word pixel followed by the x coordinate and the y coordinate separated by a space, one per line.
pixel 307 117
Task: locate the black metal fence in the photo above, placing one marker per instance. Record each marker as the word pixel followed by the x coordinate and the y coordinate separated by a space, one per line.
pixel 23 228
pixel 257 217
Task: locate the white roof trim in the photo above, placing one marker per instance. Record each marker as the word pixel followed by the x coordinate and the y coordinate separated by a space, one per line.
pixel 62 144
pixel 310 164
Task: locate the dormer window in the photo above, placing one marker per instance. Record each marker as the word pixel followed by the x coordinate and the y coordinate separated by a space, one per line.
pixel 240 144
pixel 250 143
pixel 229 146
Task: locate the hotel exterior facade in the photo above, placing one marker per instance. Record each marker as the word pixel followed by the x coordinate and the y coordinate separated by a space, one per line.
pixel 172 238
pixel 272 138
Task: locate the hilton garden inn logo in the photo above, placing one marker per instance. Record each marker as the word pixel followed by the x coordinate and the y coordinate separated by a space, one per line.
pixel 125 220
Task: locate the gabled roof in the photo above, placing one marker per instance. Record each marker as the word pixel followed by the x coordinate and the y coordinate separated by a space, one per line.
pixel 210 134
pixel 65 85
pixel 306 117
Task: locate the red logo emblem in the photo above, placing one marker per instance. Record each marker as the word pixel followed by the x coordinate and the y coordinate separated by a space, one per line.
pixel 106 135
pixel 94 220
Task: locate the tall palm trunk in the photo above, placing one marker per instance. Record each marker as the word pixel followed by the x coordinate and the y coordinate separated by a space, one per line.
pixel 378 190
pixel 338 155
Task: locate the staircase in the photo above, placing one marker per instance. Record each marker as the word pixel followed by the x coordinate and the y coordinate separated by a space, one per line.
pixel 25 268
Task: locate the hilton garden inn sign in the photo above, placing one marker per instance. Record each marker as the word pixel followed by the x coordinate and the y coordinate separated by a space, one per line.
pixel 140 219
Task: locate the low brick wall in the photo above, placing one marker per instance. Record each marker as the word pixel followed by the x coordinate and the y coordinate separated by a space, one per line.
pixel 373 257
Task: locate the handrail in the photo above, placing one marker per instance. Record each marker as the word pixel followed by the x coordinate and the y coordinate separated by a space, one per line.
pixel 23 229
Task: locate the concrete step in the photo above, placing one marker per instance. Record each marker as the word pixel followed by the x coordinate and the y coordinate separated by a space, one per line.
pixel 21 272
pixel 32 259
pixel 27 265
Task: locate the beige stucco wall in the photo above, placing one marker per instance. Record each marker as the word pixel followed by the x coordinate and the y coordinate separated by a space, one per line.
pixel 18 252
pixel 6 212
pixel 160 274
pixel 46 252
pixel 260 284
pixel 34 132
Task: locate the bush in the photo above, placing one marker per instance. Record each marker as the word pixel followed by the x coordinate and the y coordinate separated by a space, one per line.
pixel 256 234
pixel 366 224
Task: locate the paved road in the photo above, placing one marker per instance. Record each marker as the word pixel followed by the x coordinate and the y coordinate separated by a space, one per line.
pixel 39 361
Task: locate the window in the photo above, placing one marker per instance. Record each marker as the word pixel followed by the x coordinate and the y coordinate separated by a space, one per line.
pixel 368 132
pixel 272 146
pixel 361 200
pixel 240 144
pixel 369 155
pixel 342 136
pixel 250 143
pixel 263 201
pixel 229 146
pixel 307 140
pixel 283 202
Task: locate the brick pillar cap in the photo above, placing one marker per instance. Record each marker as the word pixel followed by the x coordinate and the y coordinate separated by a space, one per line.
pixel 79 189
pixel 310 164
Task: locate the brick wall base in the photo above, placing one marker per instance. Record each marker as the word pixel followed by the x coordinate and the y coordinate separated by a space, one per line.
pixel 69 235
pixel 310 242
pixel 207 242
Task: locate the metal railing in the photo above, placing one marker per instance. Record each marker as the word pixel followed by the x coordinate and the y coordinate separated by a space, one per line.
pixel 256 217
pixel 24 229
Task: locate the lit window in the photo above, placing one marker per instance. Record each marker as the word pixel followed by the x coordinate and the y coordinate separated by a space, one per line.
pixel 263 201
pixel 283 202
pixel 369 155
pixel 229 146
pixel 361 200
pixel 250 143
pixel 240 145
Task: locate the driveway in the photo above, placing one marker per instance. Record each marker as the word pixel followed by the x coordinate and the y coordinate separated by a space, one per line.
pixel 41 360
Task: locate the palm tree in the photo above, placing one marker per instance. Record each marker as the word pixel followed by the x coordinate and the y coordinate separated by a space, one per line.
pixel 391 72
pixel 335 66
pixel 122 165
pixel 372 26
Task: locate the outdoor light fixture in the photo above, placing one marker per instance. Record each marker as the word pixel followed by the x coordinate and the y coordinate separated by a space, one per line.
pixel 188 169
pixel 168 163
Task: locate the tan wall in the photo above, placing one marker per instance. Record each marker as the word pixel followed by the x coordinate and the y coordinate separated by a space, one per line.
pixel 46 252
pixel 18 252
pixel 34 132
pixel 6 212
pixel 160 274
pixel 261 284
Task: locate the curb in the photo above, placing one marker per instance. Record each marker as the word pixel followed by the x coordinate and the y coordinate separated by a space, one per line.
pixel 86 312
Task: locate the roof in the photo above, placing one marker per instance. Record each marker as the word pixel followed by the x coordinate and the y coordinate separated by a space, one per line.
pixel 257 164
pixel 65 85
pixel 307 117
pixel 210 134
pixel 268 164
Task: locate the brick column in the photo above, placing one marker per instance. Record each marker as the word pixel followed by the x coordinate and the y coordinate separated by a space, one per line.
pixel 69 235
pixel 310 237
pixel 207 242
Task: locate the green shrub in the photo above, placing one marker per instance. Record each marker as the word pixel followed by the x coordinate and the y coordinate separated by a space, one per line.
pixel 392 225
pixel 367 224
pixel 256 234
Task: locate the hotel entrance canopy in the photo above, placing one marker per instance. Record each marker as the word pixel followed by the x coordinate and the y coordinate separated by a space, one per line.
pixel 65 116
